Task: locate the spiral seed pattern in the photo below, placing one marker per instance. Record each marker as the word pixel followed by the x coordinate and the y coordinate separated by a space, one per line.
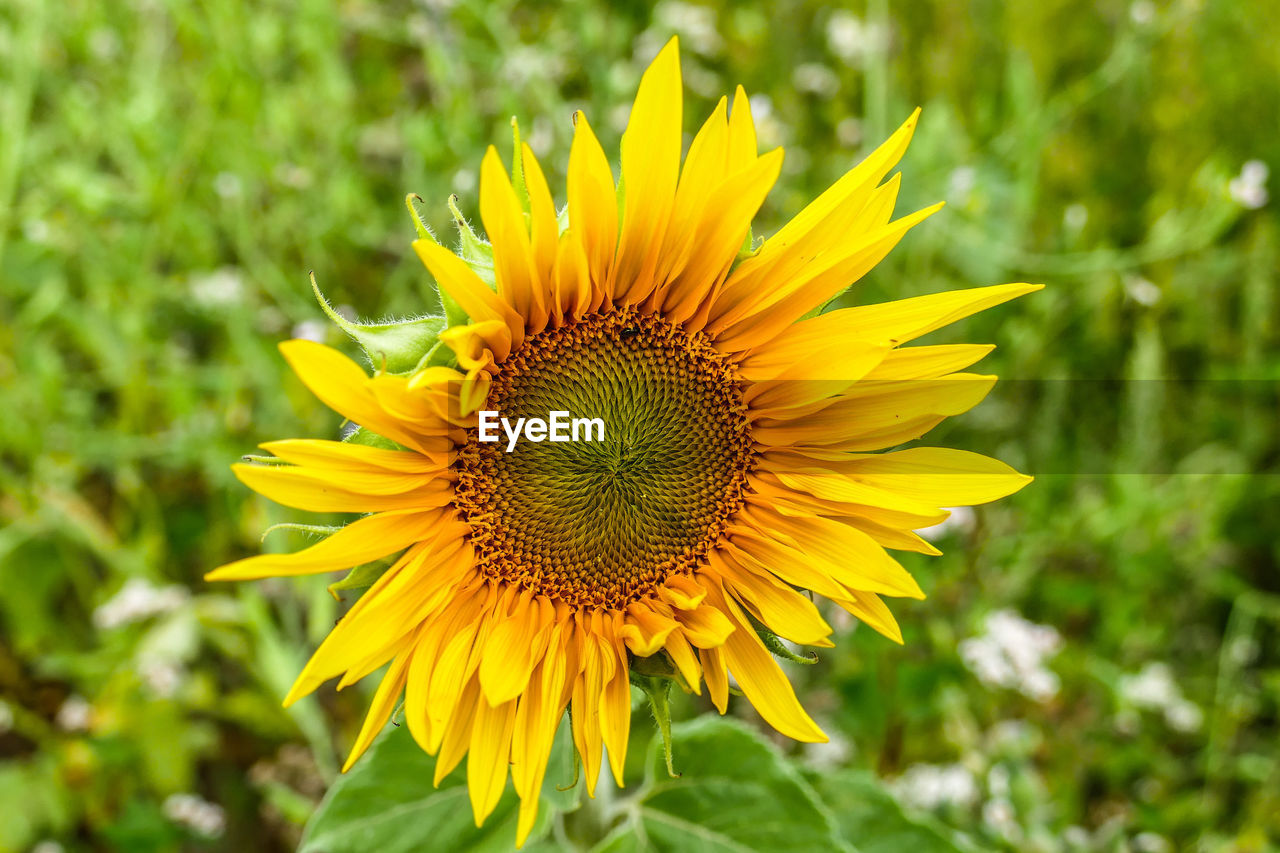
pixel 602 523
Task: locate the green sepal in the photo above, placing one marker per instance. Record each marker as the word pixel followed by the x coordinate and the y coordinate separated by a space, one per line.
pixel 360 578
pixel 371 439
pixel 748 247
pixel 779 648
pixel 474 250
pixel 262 460
pixel 394 347
pixel 439 356
pixel 658 691
pixel 313 529
pixel 517 168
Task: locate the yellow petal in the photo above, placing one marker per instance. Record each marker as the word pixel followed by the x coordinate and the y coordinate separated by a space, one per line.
pixel 703 170
pixel 907 319
pixel 826 222
pixel 763 682
pixel 302 488
pixel 593 206
pixel 742 131
pixel 719 233
pixel 713 670
pixel 457 735
pixel 543 227
pixel 384 702
pixel 360 542
pixel 571 280
pixel 849 556
pixel 772 497
pixel 513 263
pixel 937 475
pixel 685 660
pixel 928 362
pixel 340 455
pixel 489 756
pixel 467 289
pixel 704 626
pixel 778 606
pixel 869 608
pixel 587 691
pixel 342 385
pixel 869 410
pixel 478 345
pixel 510 654
pixel 817 285
pixel 615 712
pixel 650 169
pixel 645 630
pixel 764 555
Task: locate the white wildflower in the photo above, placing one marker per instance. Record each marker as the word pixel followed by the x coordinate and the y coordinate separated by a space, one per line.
pixel 1153 688
pixel 75 715
pixel 1077 836
pixel 931 786
pixel 138 600
pixel 36 231
pixel 48 846
pixel 961 521
pixel 311 330
pixel 833 754
pixel 196 813
pixel 998 781
pixel 962 181
pixel 217 289
pixel 816 78
pixel 1249 188
pixel 1184 716
pixel 1142 12
pixel 292 175
pixel 849 132
pixel 1075 217
pixel 761 107
pixel 464 181
pixel 228 185
pixel 1141 290
pixel 1149 842
pixel 104 44
pixel 847 36
pixel 163 677
pixel 696 25
pixel 999 816
pixel 1012 653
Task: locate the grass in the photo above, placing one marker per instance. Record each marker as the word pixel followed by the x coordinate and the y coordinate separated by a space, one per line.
pixel 170 172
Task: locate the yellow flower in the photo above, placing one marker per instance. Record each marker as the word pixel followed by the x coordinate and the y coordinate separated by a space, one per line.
pixel 733 473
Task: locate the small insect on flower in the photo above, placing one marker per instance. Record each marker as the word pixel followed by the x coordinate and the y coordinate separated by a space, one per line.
pixel 735 473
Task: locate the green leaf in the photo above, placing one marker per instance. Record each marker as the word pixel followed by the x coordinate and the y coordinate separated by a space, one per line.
pixel 736 793
pixel 871 818
pixel 371 439
pixel 360 578
pixel 396 347
pixel 474 250
pixel 387 804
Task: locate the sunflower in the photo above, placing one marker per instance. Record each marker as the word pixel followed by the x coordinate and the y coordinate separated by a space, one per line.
pixel 733 483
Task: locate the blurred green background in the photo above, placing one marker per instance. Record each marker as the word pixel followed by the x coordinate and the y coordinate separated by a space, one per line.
pixel 1098 664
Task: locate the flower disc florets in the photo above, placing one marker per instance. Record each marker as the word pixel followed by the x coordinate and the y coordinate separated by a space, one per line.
pixel 600 523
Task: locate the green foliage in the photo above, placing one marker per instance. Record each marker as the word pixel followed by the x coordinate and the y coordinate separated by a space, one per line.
pixel 169 173
pixel 387 802
pixel 735 792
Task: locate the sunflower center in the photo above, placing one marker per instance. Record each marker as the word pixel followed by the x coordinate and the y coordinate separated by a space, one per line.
pixel 600 523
